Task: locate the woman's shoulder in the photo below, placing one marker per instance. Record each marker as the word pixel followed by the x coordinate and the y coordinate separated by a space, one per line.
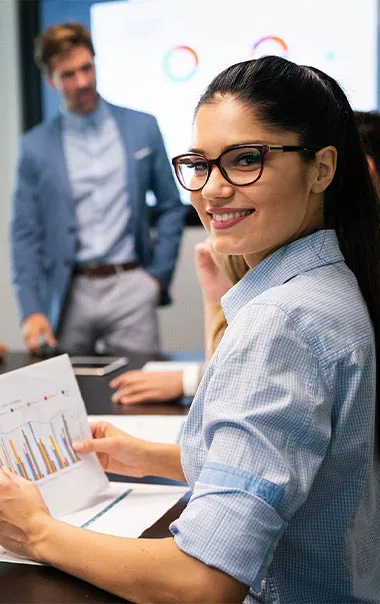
pixel 324 305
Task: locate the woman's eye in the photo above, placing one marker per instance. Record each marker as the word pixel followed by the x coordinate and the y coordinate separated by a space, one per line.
pixel 248 159
pixel 196 166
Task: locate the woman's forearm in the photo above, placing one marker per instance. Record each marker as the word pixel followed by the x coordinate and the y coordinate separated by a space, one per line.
pixel 164 460
pixel 140 570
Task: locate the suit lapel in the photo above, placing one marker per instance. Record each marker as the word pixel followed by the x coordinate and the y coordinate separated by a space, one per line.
pixel 59 164
pixel 127 133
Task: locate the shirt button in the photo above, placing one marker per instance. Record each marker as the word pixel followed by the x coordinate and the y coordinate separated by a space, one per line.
pixel 72 230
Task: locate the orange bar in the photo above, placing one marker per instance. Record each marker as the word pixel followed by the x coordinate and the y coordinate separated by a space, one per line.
pixel 55 447
pixel 68 445
pixel 10 466
pixel 21 465
pixel 27 453
pixel 44 455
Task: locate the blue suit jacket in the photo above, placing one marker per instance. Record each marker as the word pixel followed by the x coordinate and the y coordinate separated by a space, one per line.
pixel 43 223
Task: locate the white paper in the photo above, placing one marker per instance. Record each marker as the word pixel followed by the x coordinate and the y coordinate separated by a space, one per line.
pixel 124 509
pixel 41 414
pixel 156 428
pixel 169 365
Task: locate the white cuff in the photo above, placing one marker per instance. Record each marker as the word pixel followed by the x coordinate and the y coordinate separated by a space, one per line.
pixel 191 377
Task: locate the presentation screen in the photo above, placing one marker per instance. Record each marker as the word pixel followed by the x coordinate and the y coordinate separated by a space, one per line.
pixel 159 55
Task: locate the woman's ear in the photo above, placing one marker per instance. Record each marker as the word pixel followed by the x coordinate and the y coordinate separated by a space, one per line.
pixel 325 164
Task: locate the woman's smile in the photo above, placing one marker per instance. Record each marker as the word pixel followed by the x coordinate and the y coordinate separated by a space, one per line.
pixel 224 218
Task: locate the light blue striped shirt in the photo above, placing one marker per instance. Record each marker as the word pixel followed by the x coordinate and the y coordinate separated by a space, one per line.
pixel 278 445
pixel 96 164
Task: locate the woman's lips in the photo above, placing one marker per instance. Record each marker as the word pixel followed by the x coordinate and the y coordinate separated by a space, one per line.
pixel 224 219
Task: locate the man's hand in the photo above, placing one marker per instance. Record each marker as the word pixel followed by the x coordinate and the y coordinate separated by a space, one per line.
pixel 3 351
pixel 135 387
pixel 36 329
pixel 23 515
pixel 157 283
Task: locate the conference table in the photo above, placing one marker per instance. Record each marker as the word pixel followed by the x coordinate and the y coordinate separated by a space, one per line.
pixel 27 584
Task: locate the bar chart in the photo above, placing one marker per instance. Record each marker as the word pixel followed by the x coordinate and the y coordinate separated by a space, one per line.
pixel 37 449
pixel 41 414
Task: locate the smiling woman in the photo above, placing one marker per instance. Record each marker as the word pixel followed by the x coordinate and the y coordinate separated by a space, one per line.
pixel 279 447
pixel 276 196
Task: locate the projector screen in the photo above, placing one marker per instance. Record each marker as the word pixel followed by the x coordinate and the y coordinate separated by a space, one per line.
pixel 159 55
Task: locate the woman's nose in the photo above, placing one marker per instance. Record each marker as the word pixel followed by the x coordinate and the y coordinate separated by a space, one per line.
pixel 217 185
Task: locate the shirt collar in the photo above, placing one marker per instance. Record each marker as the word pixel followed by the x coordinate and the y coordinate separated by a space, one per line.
pixel 318 249
pixel 80 123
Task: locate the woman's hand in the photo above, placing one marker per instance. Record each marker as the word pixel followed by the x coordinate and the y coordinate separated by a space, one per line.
pixel 145 386
pixel 117 451
pixel 212 279
pixel 121 453
pixel 23 515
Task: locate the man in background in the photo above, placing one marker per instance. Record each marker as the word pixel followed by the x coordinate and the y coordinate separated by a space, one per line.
pixel 84 264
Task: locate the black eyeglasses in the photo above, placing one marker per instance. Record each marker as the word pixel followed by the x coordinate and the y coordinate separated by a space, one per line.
pixel 240 165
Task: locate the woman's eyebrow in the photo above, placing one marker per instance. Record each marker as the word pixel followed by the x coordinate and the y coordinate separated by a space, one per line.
pixel 232 146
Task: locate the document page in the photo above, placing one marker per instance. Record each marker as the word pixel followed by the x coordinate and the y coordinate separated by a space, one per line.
pixel 41 414
pixel 123 509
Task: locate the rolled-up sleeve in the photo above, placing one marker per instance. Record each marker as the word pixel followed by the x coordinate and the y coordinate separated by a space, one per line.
pixel 265 425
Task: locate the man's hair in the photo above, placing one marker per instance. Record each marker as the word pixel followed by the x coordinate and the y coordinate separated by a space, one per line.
pixel 59 39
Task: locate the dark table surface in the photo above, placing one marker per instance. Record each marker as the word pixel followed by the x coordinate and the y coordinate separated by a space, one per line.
pixel 20 583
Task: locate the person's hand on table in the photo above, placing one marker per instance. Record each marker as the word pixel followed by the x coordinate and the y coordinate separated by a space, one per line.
pixel 3 351
pixel 212 279
pixel 133 387
pixel 36 329
pixel 23 514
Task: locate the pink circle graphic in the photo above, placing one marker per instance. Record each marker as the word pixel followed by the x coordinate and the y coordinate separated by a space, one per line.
pixel 276 39
pixel 175 52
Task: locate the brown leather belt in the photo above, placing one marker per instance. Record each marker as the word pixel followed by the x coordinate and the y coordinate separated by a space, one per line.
pixel 104 270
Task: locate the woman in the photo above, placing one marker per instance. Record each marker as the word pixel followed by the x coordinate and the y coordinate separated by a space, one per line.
pixel 279 445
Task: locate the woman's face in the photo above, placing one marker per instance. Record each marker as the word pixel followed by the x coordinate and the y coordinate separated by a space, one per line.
pixel 278 208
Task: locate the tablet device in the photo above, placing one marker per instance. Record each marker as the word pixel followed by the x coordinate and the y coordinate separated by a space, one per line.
pixel 97 365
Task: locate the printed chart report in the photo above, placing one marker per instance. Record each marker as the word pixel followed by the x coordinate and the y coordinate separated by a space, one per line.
pixel 41 414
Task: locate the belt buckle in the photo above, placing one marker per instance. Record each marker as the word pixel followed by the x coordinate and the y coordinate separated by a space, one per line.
pixel 118 269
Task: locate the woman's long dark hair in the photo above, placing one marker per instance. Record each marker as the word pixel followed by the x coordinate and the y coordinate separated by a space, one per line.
pixel 310 103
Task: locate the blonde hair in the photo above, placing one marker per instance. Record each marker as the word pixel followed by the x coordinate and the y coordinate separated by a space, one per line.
pixel 59 39
pixel 235 267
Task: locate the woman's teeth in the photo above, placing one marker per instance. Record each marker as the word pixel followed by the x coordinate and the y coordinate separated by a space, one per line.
pixel 230 215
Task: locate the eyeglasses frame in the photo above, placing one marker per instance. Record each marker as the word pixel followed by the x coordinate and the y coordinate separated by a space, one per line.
pixel 217 161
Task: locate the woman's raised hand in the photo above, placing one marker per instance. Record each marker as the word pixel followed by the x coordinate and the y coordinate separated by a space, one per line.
pixel 212 279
